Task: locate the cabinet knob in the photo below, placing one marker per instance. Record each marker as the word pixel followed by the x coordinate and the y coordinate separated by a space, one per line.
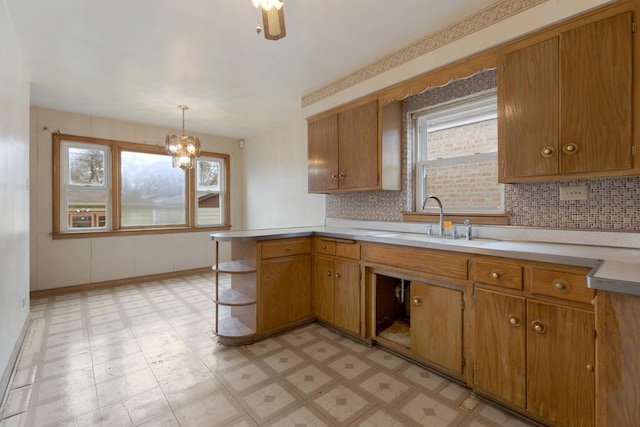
pixel 590 367
pixel 514 320
pixel 560 286
pixel 341 175
pixel 329 274
pixel 417 301
pixel 288 249
pixel 495 275
pixel 570 148
pixel 547 152
pixel 324 246
pixel 539 327
pixel 334 176
pixel 338 275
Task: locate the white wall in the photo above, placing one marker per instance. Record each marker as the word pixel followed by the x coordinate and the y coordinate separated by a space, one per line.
pixel 14 195
pixel 67 262
pixel 275 165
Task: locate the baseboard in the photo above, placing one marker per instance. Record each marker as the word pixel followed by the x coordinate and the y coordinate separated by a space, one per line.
pixel 117 282
pixel 8 371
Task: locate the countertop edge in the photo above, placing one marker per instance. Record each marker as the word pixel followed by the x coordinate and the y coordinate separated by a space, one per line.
pixel 607 275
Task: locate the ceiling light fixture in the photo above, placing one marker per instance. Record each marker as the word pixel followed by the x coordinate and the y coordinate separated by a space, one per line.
pixel 272 18
pixel 184 149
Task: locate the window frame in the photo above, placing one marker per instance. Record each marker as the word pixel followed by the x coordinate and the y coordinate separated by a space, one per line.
pixel 114 187
pixel 472 109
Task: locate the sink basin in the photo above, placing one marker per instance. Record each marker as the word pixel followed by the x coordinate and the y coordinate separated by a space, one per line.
pixel 434 239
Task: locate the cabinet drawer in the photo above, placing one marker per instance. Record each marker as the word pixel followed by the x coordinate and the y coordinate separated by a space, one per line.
pixel 498 274
pixel 282 248
pixel 326 247
pixel 348 250
pixel 423 260
pixel 561 285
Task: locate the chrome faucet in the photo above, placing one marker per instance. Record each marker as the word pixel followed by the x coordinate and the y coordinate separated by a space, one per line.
pixel 441 212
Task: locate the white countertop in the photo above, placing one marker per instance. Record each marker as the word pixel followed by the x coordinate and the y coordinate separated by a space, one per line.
pixel 613 268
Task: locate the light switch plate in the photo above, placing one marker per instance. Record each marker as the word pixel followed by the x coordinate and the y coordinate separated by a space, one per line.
pixel 576 192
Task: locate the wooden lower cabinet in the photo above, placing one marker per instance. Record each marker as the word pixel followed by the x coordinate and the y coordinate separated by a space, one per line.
pixel 560 364
pixel 285 292
pixel 336 293
pixel 536 355
pixel 436 325
pixel 500 331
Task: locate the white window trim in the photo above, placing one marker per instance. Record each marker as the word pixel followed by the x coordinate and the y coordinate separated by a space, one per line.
pixel 474 109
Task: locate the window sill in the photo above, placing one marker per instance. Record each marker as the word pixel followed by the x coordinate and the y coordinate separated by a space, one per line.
pixel 137 232
pixel 458 218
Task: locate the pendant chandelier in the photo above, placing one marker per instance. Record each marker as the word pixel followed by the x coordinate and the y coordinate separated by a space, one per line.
pixel 184 149
pixel 272 18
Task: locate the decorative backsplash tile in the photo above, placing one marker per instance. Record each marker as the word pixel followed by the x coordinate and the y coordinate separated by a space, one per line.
pixel 613 203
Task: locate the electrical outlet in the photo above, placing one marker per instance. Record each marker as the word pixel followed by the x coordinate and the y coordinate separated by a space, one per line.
pixel 373 198
pixel 578 192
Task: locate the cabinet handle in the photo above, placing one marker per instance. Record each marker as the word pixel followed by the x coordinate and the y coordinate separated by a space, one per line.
pixel 495 275
pixel 514 320
pixel 539 327
pixel 329 274
pixel 570 148
pixel 288 249
pixel 338 275
pixel 341 175
pixel 334 176
pixel 417 301
pixel 560 286
pixel 324 246
pixel 590 367
pixel 547 152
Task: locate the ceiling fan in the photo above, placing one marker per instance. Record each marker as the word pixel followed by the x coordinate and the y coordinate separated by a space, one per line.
pixel 272 18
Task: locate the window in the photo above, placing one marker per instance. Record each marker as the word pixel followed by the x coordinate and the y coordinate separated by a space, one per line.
pixel 457 156
pixel 110 187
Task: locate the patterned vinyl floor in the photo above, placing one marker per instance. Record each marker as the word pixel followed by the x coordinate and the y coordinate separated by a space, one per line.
pixel 144 354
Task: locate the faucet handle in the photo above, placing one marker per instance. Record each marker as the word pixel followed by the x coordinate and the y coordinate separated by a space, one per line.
pixel 454 232
pixel 467 231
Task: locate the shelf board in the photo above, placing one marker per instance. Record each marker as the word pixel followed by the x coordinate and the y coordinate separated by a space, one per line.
pixel 235 267
pixel 231 297
pixel 231 327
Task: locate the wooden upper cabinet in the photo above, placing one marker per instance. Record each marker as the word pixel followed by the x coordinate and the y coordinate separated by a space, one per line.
pixel 596 115
pixel 530 104
pixel 356 148
pixel 566 105
pixel 323 153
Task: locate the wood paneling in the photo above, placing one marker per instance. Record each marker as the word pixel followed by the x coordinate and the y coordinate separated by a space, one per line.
pixel 423 260
pixel 617 384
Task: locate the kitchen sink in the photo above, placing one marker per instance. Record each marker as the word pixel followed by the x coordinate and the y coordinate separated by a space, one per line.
pixel 416 237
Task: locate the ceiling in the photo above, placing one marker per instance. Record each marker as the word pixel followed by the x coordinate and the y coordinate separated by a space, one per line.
pixel 137 60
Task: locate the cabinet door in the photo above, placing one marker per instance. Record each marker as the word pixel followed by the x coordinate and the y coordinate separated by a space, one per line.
pixel 560 363
pixel 322 141
pixel 436 325
pixel 500 334
pixel 596 115
pixel 323 288
pixel 358 147
pixel 347 296
pixel 285 291
pixel 529 111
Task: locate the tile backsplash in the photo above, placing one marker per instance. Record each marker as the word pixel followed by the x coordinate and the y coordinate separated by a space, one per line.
pixel 612 204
